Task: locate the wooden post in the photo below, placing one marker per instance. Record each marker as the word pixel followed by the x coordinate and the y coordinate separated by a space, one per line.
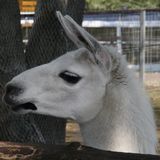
pixel 142 45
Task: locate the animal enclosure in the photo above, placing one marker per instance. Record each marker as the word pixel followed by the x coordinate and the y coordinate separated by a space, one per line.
pixel 123 30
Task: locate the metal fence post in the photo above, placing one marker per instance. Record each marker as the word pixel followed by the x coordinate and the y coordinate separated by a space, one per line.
pixel 142 45
pixel 119 40
pixel 119 36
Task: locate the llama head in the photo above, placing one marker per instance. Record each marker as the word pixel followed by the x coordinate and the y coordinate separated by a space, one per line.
pixel 72 86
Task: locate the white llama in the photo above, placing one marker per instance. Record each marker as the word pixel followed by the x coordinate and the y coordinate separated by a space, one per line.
pixel 93 86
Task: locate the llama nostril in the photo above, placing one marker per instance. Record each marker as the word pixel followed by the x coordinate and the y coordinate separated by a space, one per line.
pixel 11 92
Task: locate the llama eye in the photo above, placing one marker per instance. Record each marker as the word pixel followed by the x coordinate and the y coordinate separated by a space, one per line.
pixel 70 77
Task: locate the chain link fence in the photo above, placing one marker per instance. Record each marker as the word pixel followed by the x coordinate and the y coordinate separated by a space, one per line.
pixel 45 42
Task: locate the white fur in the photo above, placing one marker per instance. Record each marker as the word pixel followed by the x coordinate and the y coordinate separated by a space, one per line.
pixel 110 106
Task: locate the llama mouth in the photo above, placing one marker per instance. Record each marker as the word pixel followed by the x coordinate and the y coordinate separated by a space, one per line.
pixel 24 106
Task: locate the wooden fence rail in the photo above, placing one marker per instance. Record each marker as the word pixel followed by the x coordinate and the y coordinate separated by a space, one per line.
pixel 69 151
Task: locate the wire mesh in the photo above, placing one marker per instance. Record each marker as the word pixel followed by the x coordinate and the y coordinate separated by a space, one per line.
pixel 13 60
pixel 122 30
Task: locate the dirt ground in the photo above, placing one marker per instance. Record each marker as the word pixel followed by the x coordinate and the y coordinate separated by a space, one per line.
pixel 152 80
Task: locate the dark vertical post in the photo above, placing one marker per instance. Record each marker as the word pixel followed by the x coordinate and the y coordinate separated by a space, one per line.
pixel 11 47
pixel 13 127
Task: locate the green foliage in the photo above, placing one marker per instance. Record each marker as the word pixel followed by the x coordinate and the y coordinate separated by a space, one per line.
pixel 121 4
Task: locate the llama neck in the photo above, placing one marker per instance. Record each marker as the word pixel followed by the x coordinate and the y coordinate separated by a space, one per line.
pixel 123 124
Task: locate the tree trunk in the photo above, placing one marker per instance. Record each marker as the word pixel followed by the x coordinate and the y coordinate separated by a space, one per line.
pixel 47 41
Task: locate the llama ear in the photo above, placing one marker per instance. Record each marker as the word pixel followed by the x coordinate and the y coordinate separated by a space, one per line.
pixel 81 38
pixel 75 33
